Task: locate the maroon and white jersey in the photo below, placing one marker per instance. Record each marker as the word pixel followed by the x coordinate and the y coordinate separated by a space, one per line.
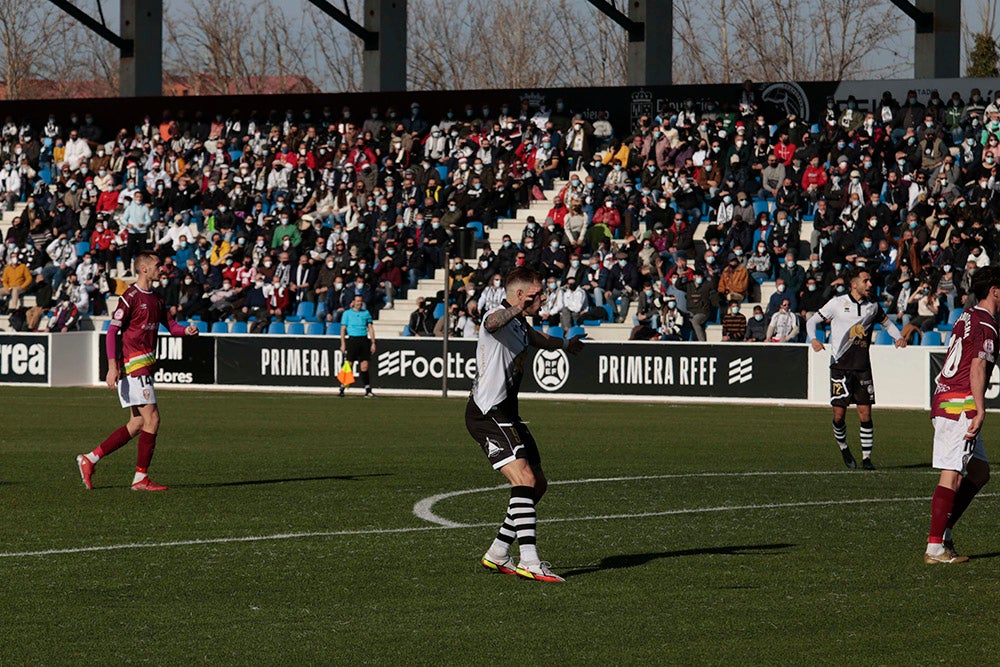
pixel 973 337
pixel 138 316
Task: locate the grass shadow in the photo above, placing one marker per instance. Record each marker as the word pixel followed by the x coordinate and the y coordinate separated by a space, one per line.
pixel 283 480
pixel 623 561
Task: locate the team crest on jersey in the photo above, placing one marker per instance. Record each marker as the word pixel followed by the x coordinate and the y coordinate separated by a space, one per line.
pixel 119 314
pixel 145 394
pixel 492 447
pixel 988 346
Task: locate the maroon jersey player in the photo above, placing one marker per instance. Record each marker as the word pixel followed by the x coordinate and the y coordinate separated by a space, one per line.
pixel 957 412
pixel 139 314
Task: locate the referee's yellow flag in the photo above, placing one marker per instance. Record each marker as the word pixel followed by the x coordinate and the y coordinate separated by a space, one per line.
pixel 346 375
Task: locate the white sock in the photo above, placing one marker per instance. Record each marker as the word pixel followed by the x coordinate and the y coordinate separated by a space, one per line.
pixel 92 457
pixel 139 476
pixel 529 554
pixel 935 549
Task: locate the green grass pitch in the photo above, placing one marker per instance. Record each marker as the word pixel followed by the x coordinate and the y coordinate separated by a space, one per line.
pixel 683 568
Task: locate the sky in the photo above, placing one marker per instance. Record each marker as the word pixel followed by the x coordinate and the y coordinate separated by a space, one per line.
pixel 296 8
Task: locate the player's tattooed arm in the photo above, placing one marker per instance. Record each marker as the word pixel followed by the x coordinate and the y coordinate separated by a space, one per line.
pixel 501 318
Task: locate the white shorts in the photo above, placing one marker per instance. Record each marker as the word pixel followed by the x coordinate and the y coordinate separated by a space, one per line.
pixel 951 450
pixel 136 390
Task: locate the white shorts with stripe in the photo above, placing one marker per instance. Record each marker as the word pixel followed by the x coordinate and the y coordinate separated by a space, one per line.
pixel 136 390
pixel 951 450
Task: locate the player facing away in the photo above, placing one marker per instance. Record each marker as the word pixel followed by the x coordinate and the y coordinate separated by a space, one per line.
pixel 138 316
pixel 852 317
pixel 958 408
pixel 357 340
pixel 493 420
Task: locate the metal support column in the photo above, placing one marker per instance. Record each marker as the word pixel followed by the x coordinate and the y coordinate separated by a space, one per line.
pixel 141 74
pixel 937 51
pixel 383 68
pixel 651 60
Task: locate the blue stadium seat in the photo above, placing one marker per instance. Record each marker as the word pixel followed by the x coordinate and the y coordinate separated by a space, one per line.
pixel 821 335
pixel 954 315
pixel 759 207
pixel 202 326
pixel 306 309
pixel 293 318
pixel 239 328
pixel 610 311
pixel 883 338
pixel 320 310
pixel 46 175
pixel 477 228
pixel 82 248
pixel 107 323
pixel 163 329
pixel 438 311
pixel 573 332
pixel 196 317
pixel 442 172
pixel 220 327
pixel 295 329
pixel 931 338
pixel 591 323
pixel 276 328
pixel 945 328
pixel 333 329
pixel 557 332
pixel 183 323
pixel 315 329
pixel 406 331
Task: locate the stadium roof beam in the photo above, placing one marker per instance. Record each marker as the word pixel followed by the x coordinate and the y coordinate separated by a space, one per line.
pixel 937 44
pixel 383 33
pixel 650 28
pixel 140 43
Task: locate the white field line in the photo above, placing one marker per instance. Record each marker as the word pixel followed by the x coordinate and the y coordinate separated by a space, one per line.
pixel 423 509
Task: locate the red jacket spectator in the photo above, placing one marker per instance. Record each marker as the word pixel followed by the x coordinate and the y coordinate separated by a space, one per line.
pixel 784 152
pixel 814 176
pixel 102 240
pixel 277 303
pixel 389 271
pixel 107 201
pixel 609 216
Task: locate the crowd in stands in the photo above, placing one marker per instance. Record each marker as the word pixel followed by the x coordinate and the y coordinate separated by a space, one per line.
pixel 253 215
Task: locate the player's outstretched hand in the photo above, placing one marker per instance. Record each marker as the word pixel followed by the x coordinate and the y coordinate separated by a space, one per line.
pixel 191 330
pixel 816 345
pixel 575 345
pixel 900 342
pixel 112 377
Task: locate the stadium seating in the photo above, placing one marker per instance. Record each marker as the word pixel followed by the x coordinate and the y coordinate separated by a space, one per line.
pixel 406 331
pixel 573 332
pixel 556 332
pixel 438 311
pixel 295 329
pixel 276 328
pixel 239 328
pixel 314 329
pixel 930 338
pixel 821 335
pixel 883 338
pixel 333 329
pixel 220 327
pixel 107 323
pixel 202 325
pixel 306 310
pixel 954 315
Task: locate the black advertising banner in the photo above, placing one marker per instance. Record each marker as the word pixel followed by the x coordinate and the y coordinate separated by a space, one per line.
pixel 24 359
pixel 992 387
pixel 180 360
pixel 281 361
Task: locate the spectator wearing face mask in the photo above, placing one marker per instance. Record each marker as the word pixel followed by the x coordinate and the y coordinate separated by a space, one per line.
pixel 575 305
pixel 756 326
pixel 673 321
pixel 784 324
pixel 701 301
pixel 780 294
pixel 734 281
pixel 734 324
pixel 622 286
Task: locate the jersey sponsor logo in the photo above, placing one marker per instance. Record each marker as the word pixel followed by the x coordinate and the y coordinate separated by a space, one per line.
pixel 858 335
pixel 22 359
pixel 551 369
pixel 740 370
pixel 408 363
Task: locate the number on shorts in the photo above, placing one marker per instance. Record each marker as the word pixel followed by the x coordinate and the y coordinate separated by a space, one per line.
pixel 953 359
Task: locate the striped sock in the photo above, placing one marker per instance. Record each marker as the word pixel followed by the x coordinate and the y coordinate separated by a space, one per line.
pixel 867 433
pixel 840 434
pixel 522 511
pixel 500 549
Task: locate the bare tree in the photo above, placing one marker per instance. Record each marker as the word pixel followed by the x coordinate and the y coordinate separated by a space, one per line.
pixel 338 54
pixel 31 40
pixel 232 46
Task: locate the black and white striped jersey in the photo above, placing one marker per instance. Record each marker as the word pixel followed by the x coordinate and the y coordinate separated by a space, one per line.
pixel 851 326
